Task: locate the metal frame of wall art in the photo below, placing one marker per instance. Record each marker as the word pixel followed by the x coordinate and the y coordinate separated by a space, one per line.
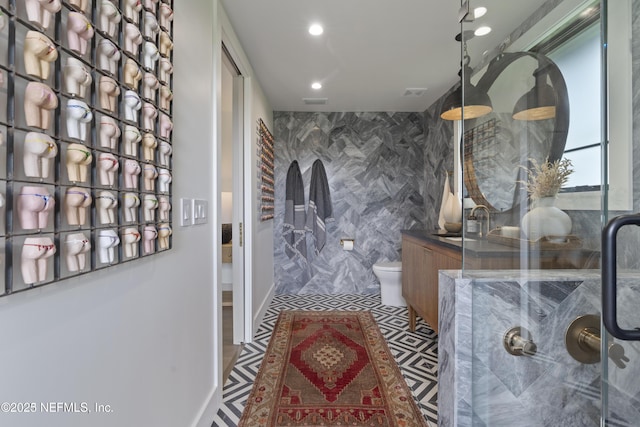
pixel 85 126
pixel 266 176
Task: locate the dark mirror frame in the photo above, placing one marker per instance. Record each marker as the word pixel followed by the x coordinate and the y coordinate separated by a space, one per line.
pixel 561 126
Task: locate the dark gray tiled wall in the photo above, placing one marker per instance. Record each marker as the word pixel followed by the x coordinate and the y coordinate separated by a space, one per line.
pixel 375 164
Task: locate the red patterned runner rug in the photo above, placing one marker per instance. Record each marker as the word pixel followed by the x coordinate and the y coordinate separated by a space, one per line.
pixel 329 368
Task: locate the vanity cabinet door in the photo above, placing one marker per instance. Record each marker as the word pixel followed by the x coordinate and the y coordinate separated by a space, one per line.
pixel 421 263
pixel 414 280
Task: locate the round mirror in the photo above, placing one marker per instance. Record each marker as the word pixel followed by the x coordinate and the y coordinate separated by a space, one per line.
pixel 496 145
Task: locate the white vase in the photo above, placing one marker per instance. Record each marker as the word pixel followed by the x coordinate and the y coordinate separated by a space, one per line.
pixel 546 220
pixel 452 209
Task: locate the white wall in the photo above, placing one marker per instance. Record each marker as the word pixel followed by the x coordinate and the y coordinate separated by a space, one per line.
pixel 144 337
pixel 138 337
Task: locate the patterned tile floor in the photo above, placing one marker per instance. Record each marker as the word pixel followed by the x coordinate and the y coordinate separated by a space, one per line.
pixel 415 352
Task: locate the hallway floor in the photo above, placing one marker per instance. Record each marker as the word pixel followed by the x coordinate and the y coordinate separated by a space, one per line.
pixel 416 352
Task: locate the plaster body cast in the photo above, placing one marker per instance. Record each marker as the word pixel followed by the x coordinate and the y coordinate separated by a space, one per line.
pixel 76 202
pixel 109 17
pixel 79 32
pixel 106 202
pixel 132 74
pixel 34 205
pixel 76 77
pixel 150 84
pixel 151 27
pixel 80 5
pixel 131 201
pixel 164 231
pixel 132 137
pixel 151 55
pixel 165 70
pixel 165 97
pixel 150 234
pixel 132 38
pixel 39 52
pixel 164 207
pixel 150 5
pixel 78 160
pixel 107 241
pixel 78 117
pixel 76 245
pixel 132 9
pixel 107 167
pixel 149 206
pixel 39 101
pixel 108 91
pixel 109 132
pixel 150 175
pixel 166 45
pixel 164 179
pixel 39 152
pixel 33 261
pixel 130 173
pixel 165 126
pixel 130 238
pixel 132 104
pixel 149 144
pixel 108 56
pixel 39 12
pixel 166 16
pixel 149 114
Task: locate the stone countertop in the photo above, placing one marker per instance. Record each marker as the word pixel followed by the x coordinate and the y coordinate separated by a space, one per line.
pixel 474 247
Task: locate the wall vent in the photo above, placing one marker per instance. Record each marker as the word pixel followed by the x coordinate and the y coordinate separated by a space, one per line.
pixel 414 91
pixel 315 101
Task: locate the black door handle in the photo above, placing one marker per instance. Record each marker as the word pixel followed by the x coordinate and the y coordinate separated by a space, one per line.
pixel 609 279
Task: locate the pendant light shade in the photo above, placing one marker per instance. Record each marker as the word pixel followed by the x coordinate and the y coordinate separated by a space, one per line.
pixel 476 102
pixel 539 103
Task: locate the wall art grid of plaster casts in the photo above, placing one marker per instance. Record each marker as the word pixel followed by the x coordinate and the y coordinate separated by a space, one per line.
pixel 265 172
pixel 85 136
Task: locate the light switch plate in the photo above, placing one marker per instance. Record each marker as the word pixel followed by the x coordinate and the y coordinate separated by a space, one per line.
pixel 200 211
pixel 186 212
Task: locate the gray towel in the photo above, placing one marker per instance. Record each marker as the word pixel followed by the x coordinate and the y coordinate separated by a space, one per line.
pixel 320 209
pixel 294 215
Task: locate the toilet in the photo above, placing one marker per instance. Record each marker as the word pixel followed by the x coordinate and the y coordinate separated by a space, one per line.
pixel 390 276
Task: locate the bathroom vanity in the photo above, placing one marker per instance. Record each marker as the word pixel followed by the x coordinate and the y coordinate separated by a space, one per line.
pixel 424 254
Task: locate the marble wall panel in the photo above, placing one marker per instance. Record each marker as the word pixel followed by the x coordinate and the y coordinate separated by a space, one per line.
pixel 492 387
pixel 375 168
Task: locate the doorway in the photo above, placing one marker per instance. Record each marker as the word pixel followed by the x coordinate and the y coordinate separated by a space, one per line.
pixel 232 211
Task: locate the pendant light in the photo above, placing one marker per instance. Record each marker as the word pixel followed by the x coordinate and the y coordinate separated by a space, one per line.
pixel 476 102
pixel 540 102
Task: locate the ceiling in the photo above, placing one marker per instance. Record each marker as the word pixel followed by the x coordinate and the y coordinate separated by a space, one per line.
pixel 370 53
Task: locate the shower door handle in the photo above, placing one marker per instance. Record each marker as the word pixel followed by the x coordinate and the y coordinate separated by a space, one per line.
pixel 609 279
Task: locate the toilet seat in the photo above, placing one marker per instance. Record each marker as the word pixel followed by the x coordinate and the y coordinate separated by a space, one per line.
pixel 388 266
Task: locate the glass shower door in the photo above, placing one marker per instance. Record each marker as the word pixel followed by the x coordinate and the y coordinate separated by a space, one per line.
pixel 621 236
pixel 530 345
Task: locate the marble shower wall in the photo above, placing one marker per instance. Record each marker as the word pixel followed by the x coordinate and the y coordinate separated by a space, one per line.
pixel 481 384
pixel 376 171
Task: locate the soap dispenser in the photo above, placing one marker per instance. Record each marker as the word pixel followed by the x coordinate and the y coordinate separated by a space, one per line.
pixel 473 225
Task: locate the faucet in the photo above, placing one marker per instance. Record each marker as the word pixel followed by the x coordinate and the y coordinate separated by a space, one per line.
pixel 487 216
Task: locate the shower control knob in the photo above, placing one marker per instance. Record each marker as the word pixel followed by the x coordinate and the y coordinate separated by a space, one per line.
pixel 617 356
pixel 518 342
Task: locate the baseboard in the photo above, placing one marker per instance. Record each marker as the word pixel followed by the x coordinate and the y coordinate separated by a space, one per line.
pixel 209 409
pixel 259 316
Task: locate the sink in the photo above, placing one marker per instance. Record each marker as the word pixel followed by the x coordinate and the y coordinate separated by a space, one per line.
pixel 459 239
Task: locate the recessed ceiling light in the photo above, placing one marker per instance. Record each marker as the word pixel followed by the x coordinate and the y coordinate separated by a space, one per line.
pixel 316 86
pixel 482 31
pixel 479 12
pixel 316 29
